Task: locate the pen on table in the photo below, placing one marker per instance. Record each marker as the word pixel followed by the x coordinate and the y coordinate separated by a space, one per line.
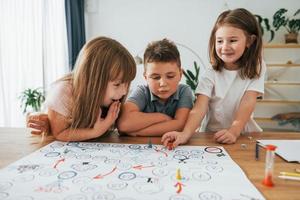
pixel 290 178
pixel 290 174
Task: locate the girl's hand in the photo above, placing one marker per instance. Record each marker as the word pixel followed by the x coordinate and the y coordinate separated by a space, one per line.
pixel 38 122
pixel 226 137
pixel 113 112
pixel 110 118
pixel 174 137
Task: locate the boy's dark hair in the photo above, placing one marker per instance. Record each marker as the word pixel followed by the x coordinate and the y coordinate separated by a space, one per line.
pixel 250 61
pixel 162 51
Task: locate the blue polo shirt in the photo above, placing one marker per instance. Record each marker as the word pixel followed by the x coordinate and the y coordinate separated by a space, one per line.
pixel 149 103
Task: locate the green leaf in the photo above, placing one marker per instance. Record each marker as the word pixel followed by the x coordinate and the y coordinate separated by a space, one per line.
pixel 191 74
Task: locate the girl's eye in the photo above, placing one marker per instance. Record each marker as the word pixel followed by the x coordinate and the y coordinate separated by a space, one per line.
pixel 233 40
pixel 155 77
pixel 117 84
pixel 170 77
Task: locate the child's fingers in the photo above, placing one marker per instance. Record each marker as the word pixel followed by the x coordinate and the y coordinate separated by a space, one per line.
pixel 166 141
pixel 177 142
pixel 219 134
pixel 36 132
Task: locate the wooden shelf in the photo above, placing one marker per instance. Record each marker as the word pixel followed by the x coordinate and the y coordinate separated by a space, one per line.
pixel 275 101
pixel 281 83
pixel 270 45
pixel 283 65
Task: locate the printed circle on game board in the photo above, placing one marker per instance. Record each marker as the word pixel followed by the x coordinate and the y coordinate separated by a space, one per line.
pixel 123 166
pixel 160 172
pixel 103 196
pixel 179 157
pixel 125 198
pixel 112 161
pixel 3 195
pixel 180 197
pixel 90 189
pixel 117 185
pixel 214 150
pixel 134 146
pixel 5 185
pixel 214 168
pixel 100 158
pixel 83 167
pixel 24 178
pixel 85 145
pixel 205 162
pixel 209 196
pixel 102 145
pixel 197 151
pixel 127 176
pixel 81 180
pixel 73 144
pixel 146 147
pixel 201 176
pixel 52 154
pixel 83 156
pixel 76 197
pixel 57 145
pixel 67 175
pixel 195 156
pixel 46 150
pixel 182 152
pixel 118 145
pixel 147 188
pixel 48 172
pixel 159 163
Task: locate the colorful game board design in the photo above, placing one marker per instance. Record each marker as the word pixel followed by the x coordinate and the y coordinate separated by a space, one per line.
pixel 107 171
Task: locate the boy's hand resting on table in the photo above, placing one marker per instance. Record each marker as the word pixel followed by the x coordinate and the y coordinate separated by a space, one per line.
pixel 174 137
pixel 39 123
pixel 226 136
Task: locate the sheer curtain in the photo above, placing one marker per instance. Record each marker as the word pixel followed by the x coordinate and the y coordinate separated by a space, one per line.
pixel 33 51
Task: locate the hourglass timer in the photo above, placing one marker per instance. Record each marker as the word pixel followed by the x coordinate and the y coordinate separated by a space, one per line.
pixel 270 154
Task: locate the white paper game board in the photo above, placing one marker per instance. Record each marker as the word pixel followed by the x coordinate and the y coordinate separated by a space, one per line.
pixel 106 171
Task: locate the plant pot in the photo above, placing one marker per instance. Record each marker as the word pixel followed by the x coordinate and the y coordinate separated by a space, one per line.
pixel 291 38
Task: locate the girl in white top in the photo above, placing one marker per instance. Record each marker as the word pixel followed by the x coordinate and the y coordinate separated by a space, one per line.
pixel 77 102
pixel 228 91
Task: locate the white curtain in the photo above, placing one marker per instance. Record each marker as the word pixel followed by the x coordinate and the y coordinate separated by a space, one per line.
pixel 33 51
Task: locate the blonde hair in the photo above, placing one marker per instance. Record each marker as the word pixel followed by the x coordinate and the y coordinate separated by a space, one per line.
pixel 250 61
pixel 101 60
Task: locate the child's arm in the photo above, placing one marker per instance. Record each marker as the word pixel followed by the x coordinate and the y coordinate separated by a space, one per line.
pixel 132 119
pixel 194 119
pixel 160 128
pixel 243 114
pixel 61 131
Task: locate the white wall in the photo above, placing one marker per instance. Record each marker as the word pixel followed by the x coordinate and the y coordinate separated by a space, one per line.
pixel 136 22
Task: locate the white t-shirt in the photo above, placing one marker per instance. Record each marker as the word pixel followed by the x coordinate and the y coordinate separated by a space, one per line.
pixel 59 98
pixel 225 90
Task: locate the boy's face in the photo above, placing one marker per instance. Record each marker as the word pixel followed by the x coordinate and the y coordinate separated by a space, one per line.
pixel 163 78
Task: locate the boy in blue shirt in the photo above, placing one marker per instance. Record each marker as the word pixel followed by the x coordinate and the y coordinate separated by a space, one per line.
pixel 163 104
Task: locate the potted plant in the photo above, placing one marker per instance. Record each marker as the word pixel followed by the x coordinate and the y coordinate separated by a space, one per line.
pixel 265 26
pixel 291 24
pixel 33 99
pixel 192 77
